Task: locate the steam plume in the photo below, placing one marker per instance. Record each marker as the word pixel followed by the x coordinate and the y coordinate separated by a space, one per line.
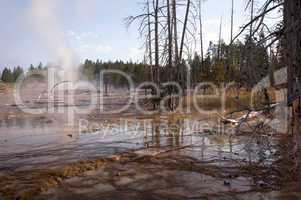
pixel 44 19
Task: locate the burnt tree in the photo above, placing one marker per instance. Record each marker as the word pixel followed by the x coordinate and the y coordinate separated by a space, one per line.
pixel 292 34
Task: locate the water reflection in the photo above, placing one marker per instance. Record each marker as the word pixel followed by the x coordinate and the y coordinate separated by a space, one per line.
pixel 217 146
pixel 201 140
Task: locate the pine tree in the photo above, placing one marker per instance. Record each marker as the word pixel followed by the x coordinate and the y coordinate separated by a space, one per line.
pixel 18 71
pixel 31 68
pixel 40 66
pixel 195 65
pixel 7 75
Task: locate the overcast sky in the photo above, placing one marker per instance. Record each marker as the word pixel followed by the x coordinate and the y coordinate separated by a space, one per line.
pixel 42 30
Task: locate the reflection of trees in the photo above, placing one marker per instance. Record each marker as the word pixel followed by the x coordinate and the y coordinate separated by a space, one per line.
pixel 166 133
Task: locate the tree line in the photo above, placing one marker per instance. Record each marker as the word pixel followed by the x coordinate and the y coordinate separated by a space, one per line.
pixel 9 75
pixel 217 65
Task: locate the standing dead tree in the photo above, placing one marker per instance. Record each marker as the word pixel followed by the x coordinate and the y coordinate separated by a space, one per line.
pixel 201 30
pixel 292 38
pixel 232 20
pixel 184 28
pixel 169 24
pixel 175 31
pixel 149 40
pixel 160 24
pixel 157 65
pixel 220 40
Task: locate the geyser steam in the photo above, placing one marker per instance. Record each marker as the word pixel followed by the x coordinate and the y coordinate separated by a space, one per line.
pixel 44 19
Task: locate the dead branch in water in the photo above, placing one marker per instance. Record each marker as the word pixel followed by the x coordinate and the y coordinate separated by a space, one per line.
pixel 251 114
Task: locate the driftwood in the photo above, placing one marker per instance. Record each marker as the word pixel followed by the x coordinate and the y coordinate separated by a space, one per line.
pixel 251 114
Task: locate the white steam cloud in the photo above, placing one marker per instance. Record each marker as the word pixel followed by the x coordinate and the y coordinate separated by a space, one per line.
pixel 44 19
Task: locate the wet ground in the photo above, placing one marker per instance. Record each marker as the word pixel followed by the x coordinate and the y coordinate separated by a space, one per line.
pixel 130 157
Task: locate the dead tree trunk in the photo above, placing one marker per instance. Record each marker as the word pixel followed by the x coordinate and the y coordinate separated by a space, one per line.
pixel 230 51
pixel 201 30
pixel 232 20
pixel 174 19
pixel 250 62
pixel 169 35
pixel 184 30
pixel 150 42
pixel 220 41
pixel 157 74
pixel 170 64
pixel 292 30
pixel 252 17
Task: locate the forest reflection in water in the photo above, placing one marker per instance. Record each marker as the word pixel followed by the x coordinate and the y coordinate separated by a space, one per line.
pixel 25 142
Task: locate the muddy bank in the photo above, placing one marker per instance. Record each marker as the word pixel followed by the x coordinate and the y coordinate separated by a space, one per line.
pixel 131 175
pixel 150 174
pixel 179 172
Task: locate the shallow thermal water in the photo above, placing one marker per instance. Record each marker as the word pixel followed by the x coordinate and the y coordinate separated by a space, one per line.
pixel 187 140
pixel 37 143
pixel 32 144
